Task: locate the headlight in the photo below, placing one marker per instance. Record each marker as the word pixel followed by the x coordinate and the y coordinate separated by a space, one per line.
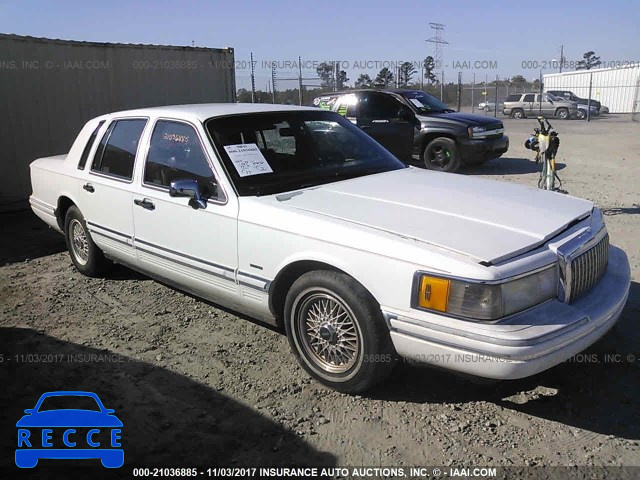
pixel 475 130
pixel 484 301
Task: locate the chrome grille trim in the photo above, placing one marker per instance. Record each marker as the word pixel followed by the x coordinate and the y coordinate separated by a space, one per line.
pixel 583 259
pixel 580 269
pixel 588 268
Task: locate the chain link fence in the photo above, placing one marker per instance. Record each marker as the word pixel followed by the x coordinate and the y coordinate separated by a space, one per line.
pixel 299 82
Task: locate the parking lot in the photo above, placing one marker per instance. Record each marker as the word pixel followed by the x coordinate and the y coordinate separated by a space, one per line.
pixel 196 385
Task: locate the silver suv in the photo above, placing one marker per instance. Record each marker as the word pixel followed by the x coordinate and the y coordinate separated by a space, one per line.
pixel 521 105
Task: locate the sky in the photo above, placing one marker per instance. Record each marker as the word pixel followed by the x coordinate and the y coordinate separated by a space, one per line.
pixel 486 38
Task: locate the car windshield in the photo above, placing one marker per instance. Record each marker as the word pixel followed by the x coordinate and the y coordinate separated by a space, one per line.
pixel 275 152
pixel 69 402
pixel 424 103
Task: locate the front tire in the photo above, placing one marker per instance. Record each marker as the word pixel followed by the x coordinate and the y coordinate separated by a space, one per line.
pixel 84 253
pixel 336 330
pixel 441 154
pixel 581 115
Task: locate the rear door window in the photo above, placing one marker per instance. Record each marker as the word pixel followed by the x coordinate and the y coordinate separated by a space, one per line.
pixel 529 97
pixel 116 153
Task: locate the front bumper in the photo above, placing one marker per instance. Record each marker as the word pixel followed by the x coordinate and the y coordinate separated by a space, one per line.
pixel 521 345
pixel 478 150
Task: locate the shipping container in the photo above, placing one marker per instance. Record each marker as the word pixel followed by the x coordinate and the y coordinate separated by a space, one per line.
pixel 615 88
pixel 50 88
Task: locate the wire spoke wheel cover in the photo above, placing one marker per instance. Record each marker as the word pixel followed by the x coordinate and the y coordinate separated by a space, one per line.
pixel 327 331
pixel 79 242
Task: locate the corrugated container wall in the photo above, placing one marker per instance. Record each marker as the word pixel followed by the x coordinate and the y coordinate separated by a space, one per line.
pixel 50 88
pixel 615 88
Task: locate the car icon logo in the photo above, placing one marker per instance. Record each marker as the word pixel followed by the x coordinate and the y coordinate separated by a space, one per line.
pixel 69 425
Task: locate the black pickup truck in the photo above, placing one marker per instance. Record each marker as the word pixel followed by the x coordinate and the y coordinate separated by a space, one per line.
pixel 580 101
pixel 413 123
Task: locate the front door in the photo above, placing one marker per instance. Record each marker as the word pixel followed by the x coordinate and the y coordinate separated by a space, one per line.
pixel 193 247
pixel 380 115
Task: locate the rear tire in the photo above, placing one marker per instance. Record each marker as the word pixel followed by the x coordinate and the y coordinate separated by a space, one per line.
pixel 562 113
pixel 517 113
pixel 84 253
pixel 336 331
pixel 581 115
pixel 441 154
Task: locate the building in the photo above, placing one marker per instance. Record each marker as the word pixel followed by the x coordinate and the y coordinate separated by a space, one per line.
pixel 616 88
pixel 50 88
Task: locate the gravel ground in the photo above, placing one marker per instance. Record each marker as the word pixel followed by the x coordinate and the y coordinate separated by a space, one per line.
pixel 197 385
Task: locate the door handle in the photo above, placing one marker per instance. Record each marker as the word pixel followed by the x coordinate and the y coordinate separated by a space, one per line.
pixel 146 204
pixel 89 188
pixel 365 127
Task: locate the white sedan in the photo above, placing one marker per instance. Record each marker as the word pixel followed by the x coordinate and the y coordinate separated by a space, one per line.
pixel 294 216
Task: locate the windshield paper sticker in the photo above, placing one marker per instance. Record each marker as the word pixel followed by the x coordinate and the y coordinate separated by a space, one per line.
pixel 248 159
pixel 416 102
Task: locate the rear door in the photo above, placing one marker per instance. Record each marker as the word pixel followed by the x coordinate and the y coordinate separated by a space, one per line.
pixel 380 115
pixel 548 108
pixel 529 104
pixel 105 199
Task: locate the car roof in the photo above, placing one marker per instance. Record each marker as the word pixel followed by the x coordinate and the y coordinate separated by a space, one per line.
pixel 204 111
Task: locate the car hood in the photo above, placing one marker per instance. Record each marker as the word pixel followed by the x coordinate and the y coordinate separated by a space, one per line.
pixel 69 418
pixel 487 220
pixel 460 118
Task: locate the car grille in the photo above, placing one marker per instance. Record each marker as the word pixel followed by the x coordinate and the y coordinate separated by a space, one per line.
pixel 588 268
pixel 494 126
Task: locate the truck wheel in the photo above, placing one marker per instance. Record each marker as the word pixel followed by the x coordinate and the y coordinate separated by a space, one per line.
pixel 337 333
pixel 85 255
pixel 517 113
pixel 562 113
pixel 581 115
pixel 441 154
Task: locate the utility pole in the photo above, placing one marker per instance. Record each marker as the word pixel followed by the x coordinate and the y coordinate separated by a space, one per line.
pixel 299 81
pixel 540 94
pixel 495 110
pixel 459 91
pixel 253 81
pixel 473 88
pixel 273 82
pixel 561 57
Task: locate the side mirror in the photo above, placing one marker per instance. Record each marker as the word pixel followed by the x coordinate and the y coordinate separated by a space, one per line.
pixel 405 114
pixel 109 411
pixel 188 188
pixel 29 411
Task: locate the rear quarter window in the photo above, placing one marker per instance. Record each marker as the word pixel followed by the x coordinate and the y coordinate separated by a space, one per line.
pixel 87 148
pixel 513 98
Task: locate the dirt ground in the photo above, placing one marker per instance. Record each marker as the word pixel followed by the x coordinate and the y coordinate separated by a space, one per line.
pixel 197 385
